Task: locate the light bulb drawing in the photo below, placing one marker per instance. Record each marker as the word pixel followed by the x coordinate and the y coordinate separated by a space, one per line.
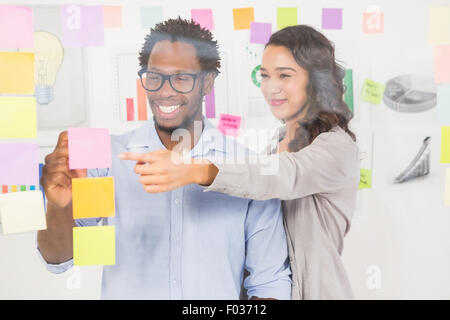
pixel 49 54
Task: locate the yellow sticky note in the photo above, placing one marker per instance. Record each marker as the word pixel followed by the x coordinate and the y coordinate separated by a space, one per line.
pixel 93 197
pixel 365 179
pixel 447 187
pixel 18 117
pixel 372 92
pixel 439 25
pixel 94 246
pixel 17 73
pixel 445 144
pixel 243 17
pixel 22 211
pixel 286 17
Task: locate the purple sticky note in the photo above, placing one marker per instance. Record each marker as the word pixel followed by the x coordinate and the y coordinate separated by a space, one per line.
pixel 16 27
pixel 229 124
pixel 210 104
pixel 82 26
pixel 332 18
pixel 204 17
pixel 260 32
pixel 19 164
pixel 89 148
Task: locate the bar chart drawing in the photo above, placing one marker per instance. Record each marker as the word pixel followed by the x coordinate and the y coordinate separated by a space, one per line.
pixel 132 99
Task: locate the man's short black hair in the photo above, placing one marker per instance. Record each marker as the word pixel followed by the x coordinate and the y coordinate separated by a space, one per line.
pixel 184 31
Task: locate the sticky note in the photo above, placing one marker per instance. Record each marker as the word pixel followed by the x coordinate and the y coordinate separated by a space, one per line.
pixel 445 144
pixel 93 197
pixel 286 17
pixel 89 148
pixel 17 73
pixel 204 17
pixel 94 245
pixel 210 104
pixel 16 27
pixel 447 187
pixel 112 16
pixel 372 92
pixel 442 64
pixel 151 16
pixel 229 124
pixel 242 17
pixel 348 86
pixel 331 18
pixel 373 22
pixel 260 32
pixel 443 102
pixel 22 212
pixel 365 179
pixel 19 164
pixel 82 26
pixel 18 117
pixel 439 25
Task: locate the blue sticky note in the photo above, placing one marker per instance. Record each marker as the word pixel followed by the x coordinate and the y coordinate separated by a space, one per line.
pixel 443 102
pixel 151 16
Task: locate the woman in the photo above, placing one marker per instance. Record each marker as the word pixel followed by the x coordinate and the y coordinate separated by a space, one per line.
pixel 318 168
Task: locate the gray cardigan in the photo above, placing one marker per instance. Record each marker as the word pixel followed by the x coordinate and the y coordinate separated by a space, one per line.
pixel 318 186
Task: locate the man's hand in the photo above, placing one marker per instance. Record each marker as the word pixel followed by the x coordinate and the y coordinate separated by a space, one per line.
pixel 165 170
pixel 57 177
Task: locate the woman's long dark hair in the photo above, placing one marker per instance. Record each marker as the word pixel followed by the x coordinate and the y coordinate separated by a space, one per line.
pixel 315 53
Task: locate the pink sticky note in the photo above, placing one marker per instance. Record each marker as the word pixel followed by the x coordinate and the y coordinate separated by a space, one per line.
pixel 204 17
pixel 442 64
pixel 229 124
pixel 19 164
pixel 16 27
pixel 373 22
pixel 260 32
pixel 210 104
pixel 82 26
pixel 89 148
pixel 112 16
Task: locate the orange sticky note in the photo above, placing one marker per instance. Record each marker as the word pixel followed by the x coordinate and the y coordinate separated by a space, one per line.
pixel 93 197
pixel 112 16
pixel 442 64
pixel 94 245
pixel 243 17
pixel 17 73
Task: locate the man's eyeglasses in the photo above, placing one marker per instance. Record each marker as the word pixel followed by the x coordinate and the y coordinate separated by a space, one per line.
pixel 180 82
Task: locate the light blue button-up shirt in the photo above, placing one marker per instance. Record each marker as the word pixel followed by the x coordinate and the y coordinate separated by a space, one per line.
pixel 186 243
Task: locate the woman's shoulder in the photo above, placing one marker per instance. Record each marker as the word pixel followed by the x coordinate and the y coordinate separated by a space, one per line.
pixel 336 135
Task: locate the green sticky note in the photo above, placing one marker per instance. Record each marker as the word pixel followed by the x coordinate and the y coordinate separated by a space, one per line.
pixel 23 188
pixel 372 92
pixel 445 144
pixel 286 17
pixel 348 84
pixel 365 179
pixel 150 16
pixel 94 246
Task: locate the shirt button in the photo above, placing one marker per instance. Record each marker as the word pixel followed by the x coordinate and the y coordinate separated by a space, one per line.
pixel 176 201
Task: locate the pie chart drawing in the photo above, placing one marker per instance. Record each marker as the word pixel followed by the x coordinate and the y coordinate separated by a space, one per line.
pixel 410 93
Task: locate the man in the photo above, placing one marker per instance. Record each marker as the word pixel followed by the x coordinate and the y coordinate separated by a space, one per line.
pixel 186 243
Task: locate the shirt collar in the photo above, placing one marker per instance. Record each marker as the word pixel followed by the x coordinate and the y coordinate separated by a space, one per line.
pixel 146 138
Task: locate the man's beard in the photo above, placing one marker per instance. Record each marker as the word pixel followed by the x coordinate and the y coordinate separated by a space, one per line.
pixel 186 124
